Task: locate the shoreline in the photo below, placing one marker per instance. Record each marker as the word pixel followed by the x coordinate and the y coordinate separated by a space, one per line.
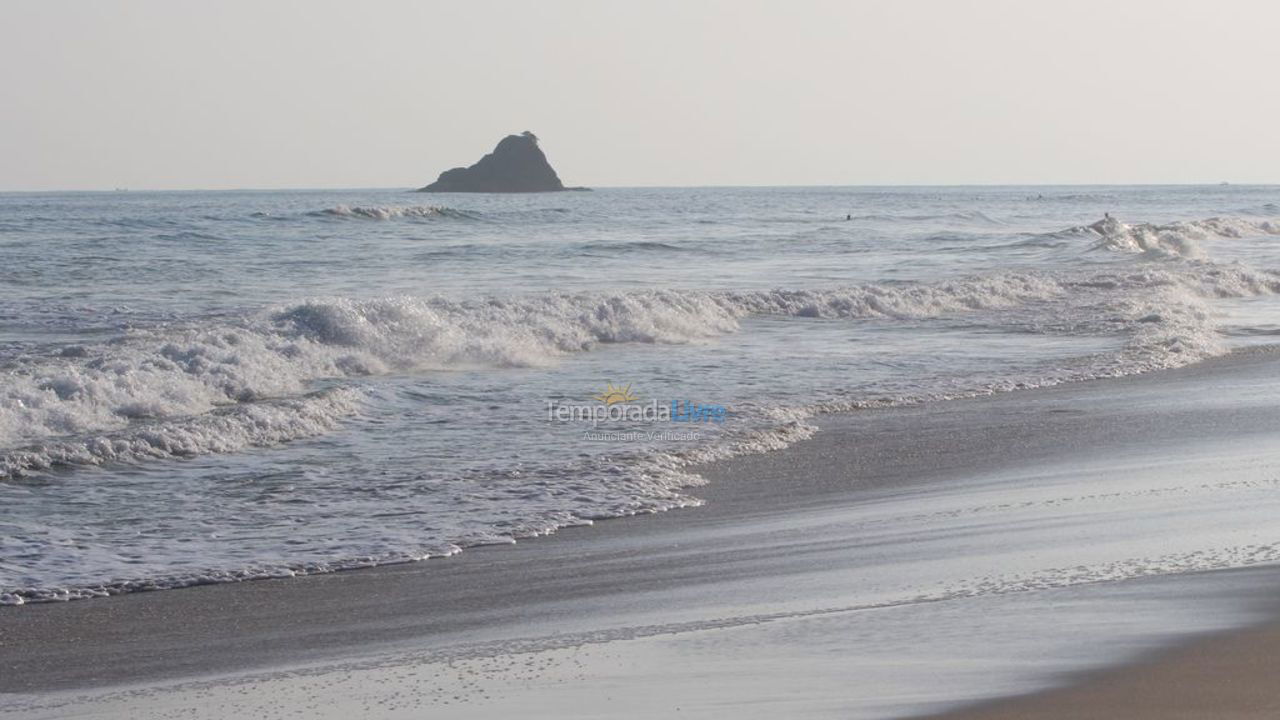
pixel 654 571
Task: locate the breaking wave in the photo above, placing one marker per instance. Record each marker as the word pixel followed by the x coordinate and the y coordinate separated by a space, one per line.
pixel 1179 239
pixel 220 431
pixel 223 387
pixel 391 212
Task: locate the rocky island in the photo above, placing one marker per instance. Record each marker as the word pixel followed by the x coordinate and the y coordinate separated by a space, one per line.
pixel 517 164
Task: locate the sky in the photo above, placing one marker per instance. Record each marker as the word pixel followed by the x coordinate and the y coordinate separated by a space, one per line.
pixel 178 94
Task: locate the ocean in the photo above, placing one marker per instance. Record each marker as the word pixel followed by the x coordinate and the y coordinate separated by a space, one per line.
pixel 202 387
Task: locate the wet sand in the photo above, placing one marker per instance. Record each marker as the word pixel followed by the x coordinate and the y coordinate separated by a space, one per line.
pixel 1227 677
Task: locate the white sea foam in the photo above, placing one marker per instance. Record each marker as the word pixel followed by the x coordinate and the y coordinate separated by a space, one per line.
pixel 390 212
pixel 234 429
pixel 154 390
pixel 165 374
pixel 1180 239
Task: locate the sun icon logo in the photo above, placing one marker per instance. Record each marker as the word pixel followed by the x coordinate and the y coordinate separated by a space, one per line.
pixel 613 395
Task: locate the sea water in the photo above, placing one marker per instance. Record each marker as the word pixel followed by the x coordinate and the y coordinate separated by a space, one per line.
pixel 214 386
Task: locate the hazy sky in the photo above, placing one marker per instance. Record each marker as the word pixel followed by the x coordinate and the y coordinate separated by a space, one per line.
pixel 200 94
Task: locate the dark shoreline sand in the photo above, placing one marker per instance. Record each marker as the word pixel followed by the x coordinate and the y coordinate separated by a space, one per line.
pixel 1228 676
pixel 633 571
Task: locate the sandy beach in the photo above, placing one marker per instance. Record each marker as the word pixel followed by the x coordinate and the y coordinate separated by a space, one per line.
pixel 802 587
pixel 1230 677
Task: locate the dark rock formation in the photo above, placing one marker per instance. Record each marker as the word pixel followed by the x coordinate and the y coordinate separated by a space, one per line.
pixel 516 165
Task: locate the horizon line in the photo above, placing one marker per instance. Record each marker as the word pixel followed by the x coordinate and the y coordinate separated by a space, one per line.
pixel 407 189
